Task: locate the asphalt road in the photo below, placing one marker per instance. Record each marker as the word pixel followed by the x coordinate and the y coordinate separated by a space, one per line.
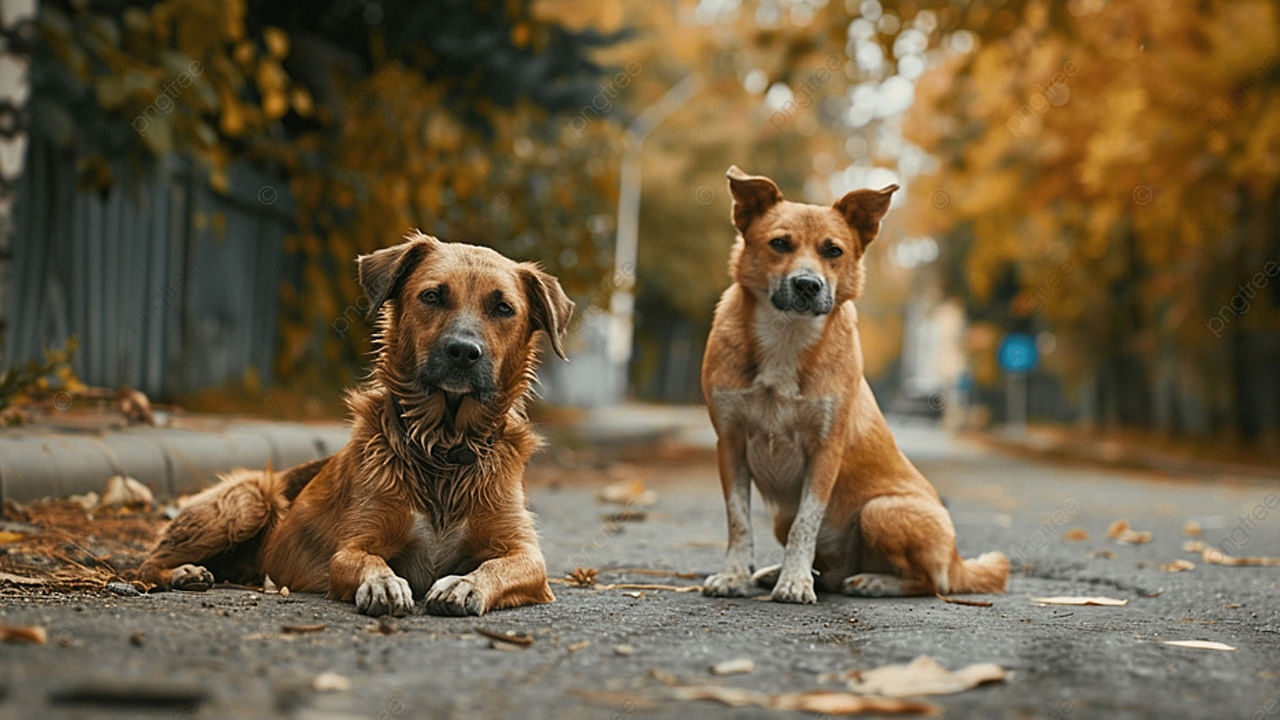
pixel 226 650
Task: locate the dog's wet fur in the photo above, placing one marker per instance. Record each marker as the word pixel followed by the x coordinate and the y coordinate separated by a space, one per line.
pixel 783 380
pixel 427 499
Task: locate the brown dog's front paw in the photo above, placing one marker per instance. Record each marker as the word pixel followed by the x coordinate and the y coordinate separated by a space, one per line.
pixel 795 589
pixel 384 593
pixel 190 577
pixel 728 584
pixel 456 595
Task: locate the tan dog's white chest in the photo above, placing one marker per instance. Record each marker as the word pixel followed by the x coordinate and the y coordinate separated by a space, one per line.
pixel 780 426
pixel 431 552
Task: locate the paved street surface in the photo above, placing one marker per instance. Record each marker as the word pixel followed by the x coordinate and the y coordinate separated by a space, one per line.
pixel 1067 662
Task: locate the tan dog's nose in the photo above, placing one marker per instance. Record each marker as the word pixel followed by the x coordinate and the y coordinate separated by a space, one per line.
pixel 806 287
pixel 463 353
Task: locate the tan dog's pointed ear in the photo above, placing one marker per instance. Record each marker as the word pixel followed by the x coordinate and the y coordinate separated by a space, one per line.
pixel 549 307
pixel 382 272
pixel 863 209
pixel 752 195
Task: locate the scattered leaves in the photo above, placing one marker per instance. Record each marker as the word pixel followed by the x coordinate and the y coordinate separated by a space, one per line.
pixel 1178 565
pixel 816 701
pixel 1191 528
pixel 125 492
pixel 1076 534
pixel 7 537
pixel 627 492
pixel 331 682
pixel 583 577
pixel 959 601
pixel 1218 557
pixel 1200 645
pixel 1079 600
pixel 512 638
pixel 624 650
pixel 1116 528
pixel 580 645
pixel 734 667
pixel 923 676
pixel 32 634
pixel 1194 546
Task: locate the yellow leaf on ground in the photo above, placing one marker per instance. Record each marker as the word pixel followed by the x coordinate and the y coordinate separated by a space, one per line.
pixel 1116 528
pixel 1079 600
pixel 1217 557
pixel 923 676
pixel 1200 644
pixel 1076 534
pixel 10 537
pixel 1191 528
pixel 816 701
pixel 1178 565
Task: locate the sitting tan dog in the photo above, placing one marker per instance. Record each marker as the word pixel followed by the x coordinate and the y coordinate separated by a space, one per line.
pixel 427 498
pixel 782 378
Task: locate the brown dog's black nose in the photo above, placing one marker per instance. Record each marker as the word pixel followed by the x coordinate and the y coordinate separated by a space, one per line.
pixel 806 287
pixel 463 353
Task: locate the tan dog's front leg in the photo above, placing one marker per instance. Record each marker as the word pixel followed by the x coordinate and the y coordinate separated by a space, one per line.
pixel 366 578
pixel 735 480
pixel 795 579
pixel 508 581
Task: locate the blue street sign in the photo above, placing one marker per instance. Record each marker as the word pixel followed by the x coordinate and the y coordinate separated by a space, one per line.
pixel 1018 353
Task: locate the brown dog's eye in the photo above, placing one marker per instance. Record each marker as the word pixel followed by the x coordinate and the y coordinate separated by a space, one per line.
pixel 503 310
pixel 430 297
pixel 781 244
pixel 831 251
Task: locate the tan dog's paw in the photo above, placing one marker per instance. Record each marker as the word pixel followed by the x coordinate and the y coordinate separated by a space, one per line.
pixel 727 584
pixel 456 595
pixel 766 577
pixel 384 593
pixel 795 589
pixel 873 585
pixel 190 577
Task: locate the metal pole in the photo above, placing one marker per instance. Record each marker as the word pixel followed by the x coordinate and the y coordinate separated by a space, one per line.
pixel 626 245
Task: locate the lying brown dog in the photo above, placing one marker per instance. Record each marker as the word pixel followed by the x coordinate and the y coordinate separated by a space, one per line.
pixel 427 498
pixel 782 377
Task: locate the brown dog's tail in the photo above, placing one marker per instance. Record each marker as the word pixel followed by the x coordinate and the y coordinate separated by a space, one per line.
pixel 986 573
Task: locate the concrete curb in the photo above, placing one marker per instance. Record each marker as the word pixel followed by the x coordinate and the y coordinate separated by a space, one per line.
pixel 55 462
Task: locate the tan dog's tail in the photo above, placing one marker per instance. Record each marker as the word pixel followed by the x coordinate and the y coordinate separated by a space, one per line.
pixel 986 573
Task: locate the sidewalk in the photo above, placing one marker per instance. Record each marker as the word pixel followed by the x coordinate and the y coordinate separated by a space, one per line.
pixel 60 458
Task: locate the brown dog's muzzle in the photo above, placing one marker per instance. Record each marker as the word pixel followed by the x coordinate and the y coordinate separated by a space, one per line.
pixel 460 362
pixel 804 292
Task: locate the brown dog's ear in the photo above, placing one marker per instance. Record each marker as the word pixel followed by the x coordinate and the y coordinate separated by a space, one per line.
pixel 752 195
pixel 549 308
pixel 862 209
pixel 382 272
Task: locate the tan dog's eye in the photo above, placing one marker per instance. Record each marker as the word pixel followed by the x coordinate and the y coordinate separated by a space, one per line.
pixel 503 310
pixel 781 244
pixel 831 251
pixel 430 297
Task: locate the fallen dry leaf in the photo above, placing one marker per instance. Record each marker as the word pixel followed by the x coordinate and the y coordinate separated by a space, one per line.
pixel 331 682
pixel 1079 600
pixel 923 676
pixel 1191 528
pixel 1133 537
pixel 1194 546
pixel 582 577
pixel 302 629
pixel 733 667
pixel 507 637
pixel 1178 565
pixel 627 492
pixel 580 645
pixel 816 701
pixel 624 650
pixel 1076 534
pixel 123 491
pixel 33 634
pixel 1116 528
pixel 12 579
pixel 7 536
pixel 1200 644
pixel 958 601
pixel 1217 557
